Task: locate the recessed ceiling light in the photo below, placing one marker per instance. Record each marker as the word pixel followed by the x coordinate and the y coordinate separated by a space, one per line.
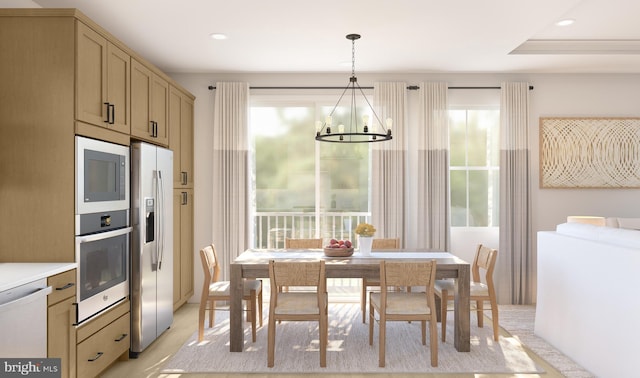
pixel 218 36
pixel 565 22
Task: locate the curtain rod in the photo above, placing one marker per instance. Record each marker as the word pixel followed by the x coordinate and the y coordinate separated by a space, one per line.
pixel 409 87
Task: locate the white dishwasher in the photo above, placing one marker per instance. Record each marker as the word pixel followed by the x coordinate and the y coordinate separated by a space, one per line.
pixel 23 320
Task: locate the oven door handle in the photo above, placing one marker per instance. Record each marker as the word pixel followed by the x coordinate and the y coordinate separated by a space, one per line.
pixel 103 235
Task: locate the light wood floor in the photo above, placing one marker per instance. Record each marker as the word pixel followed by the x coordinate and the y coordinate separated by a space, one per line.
pixel 150 361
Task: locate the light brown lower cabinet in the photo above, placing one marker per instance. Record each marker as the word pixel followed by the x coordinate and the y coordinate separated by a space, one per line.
pixel 103 340
pixel 61 314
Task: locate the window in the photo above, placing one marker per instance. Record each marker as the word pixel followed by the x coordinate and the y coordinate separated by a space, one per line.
pixel 474 166
pixel 301 188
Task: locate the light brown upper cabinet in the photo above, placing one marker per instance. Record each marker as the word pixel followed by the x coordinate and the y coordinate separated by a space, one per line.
pixel 103 81
pixel 181 137
pixel 149 105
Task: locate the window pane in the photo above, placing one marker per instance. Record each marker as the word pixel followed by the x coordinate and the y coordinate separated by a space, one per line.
pixel 478 198
pixel 477 146
pixel 344 168
pixel 474 172
pixel 458 198
pixel 457 137
pixel 304 188
pixel 284 168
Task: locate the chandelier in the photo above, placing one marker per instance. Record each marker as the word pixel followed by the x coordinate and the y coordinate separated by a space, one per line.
pixel 352 133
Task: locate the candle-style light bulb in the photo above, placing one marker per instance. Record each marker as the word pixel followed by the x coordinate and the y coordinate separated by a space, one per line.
pixel 328 121
pixel 341 128
pixel 318 126
pixel 389 123
pixel 365 119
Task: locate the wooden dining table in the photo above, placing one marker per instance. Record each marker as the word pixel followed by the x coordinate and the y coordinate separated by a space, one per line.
pixel 254 263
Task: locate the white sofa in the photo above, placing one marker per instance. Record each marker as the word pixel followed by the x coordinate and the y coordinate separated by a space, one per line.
pixel 588 297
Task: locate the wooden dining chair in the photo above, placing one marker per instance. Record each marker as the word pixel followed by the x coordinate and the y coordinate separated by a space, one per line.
pixel 388 244
pixel 308 305
pixel 484 260
pixel 405 305
pixel 214 290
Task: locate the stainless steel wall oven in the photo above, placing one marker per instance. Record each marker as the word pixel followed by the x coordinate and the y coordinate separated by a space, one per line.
pixel 103 232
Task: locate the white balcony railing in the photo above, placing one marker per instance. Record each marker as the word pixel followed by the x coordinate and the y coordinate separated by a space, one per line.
pixel 271 228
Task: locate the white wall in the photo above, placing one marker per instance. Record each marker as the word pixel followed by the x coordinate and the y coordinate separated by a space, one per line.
pixel 554 95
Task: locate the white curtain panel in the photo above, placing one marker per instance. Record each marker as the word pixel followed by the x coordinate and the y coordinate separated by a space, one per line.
pixel 434 221
pixel 230 172
pixel 389 161
pixel 515 268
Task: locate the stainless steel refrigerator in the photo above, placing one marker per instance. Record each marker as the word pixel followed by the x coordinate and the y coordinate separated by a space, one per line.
pixel 151 244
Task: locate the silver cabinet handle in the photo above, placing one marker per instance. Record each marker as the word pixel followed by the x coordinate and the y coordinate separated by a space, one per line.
pixel 98 355
pixel 65 287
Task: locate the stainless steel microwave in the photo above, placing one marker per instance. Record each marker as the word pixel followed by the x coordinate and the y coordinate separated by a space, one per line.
pixel 102 176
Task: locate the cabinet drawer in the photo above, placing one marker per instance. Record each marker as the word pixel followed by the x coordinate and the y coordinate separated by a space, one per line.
pixel 64 286
pixel 98 351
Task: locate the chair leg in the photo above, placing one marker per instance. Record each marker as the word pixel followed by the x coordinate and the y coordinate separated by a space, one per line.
pixel 271 341
pixel 252 313
pixel 324 335
pixel 363 300
pixel 479 313
pixel 371 321
pixel 494 318
pixel 383 334
pixel 433 339
pixel 212 313
pixel 260 305
pixel 424 331
pixel 201 315
pixel 444 300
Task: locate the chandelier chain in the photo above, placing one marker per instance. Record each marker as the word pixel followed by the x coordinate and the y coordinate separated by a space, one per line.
pixel 353 57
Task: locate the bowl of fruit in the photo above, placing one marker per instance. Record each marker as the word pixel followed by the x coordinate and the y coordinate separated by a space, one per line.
pixel 339 248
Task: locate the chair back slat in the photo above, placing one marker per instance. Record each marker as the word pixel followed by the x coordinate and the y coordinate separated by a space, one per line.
pixel 407 273
pixel 299 273
pixel 290 243
pixel 485 258
pixel 385 243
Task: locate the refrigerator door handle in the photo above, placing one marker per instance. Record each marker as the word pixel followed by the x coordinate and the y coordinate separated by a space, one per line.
pixel 161 201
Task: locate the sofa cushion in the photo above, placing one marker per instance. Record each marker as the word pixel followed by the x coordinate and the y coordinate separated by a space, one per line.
pixel 609 235
pixel 631 223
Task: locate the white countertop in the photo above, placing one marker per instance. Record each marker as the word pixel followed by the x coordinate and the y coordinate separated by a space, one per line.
pixel 16 274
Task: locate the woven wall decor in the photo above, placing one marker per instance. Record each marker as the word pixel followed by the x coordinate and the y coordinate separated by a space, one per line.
pixel 590 152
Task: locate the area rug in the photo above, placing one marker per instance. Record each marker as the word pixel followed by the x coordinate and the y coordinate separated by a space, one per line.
pixel 348 350
pixel 519 321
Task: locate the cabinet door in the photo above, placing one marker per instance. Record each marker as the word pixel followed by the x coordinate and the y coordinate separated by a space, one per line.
pixel 149 105
pixel 102 92
pixel 141 78
pixel 181 137
pixel 118 88
pixel 186 141
pixel 91 76
pixel 182 246
pixel 61 335
pixel 159 109
pixel 175 119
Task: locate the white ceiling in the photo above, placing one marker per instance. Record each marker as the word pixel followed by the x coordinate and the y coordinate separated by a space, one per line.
pixel 398 36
